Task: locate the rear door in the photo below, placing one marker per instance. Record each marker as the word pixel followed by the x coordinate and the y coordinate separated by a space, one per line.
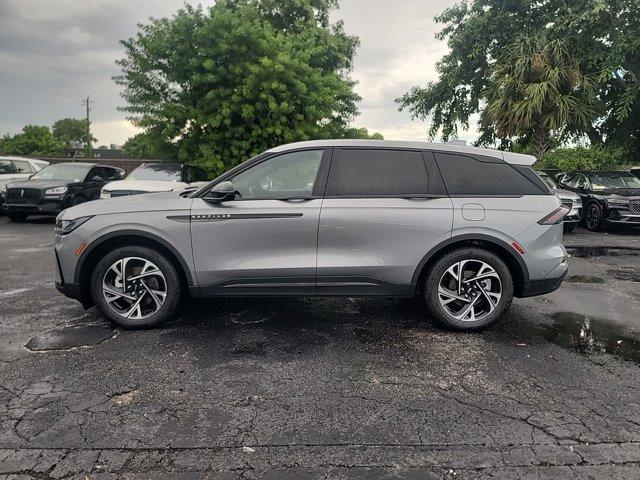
pixel 384 209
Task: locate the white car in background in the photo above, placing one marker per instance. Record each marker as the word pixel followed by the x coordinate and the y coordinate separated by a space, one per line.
pixel 17 168
pixel 156 177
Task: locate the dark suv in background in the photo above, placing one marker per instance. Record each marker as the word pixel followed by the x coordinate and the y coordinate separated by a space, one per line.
pixel 57 187
pixel 608 198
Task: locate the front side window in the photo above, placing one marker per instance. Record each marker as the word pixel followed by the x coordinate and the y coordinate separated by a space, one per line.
pixel 22 166
pixel 285 176
pixel 379 173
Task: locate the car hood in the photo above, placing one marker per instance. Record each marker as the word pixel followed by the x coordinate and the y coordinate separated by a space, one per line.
pixel 623 192
pixel 145 185
pixel 40 184
pixel 566 194
pixel 150 202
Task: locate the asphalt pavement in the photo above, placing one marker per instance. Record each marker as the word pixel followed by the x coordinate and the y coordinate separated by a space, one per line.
pixel 322 388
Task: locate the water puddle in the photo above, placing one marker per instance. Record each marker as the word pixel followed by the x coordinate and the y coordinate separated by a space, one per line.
pixel 583 279
pixel 70 337
pixel 588 252
pixel 591 335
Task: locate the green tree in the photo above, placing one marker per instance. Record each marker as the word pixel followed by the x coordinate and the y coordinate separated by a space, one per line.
pixel 146 145
pixel 34 140
pixel 242 76
pixel 71 130
pixel 603 37
pixel 536 89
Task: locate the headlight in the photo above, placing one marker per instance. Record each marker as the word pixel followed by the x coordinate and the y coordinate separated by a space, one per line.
pixel 616 201
pixel 64 227
pixel 105 194
pixel 56 191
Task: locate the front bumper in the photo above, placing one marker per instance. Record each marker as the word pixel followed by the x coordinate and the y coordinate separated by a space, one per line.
pixel 45 206
pixel 532 288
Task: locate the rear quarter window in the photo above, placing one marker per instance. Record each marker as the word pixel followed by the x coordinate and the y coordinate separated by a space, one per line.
pixel 477 175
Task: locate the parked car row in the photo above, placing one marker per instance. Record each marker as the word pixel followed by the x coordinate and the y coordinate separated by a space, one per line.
pixel 34 187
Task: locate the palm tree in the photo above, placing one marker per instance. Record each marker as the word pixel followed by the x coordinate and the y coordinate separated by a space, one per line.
pixel 536 89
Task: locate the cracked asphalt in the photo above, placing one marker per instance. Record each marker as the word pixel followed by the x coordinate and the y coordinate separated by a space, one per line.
pixel 322 388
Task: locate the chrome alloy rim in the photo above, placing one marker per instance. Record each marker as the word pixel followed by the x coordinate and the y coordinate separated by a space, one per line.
pixel 469 290
pixel 134 288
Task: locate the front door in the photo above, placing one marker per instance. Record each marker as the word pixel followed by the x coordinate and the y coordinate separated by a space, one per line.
pixel 265 240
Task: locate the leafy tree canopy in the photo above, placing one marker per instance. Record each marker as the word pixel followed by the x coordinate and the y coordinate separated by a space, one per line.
pixel 147 145
pixel 34 140
pixel 225 83
pixel 71 130
pixel 601 36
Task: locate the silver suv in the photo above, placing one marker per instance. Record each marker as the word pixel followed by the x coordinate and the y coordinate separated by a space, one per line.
pixel 465 228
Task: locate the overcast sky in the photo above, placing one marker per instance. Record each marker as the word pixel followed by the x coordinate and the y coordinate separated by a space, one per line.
pixel 55 52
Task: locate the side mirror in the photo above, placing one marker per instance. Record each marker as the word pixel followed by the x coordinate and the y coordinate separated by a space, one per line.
pixel 222 192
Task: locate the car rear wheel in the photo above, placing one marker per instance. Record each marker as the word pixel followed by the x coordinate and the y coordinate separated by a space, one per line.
pixel 593 218
pixel 468 289
pixel 136 287
pixel 16 216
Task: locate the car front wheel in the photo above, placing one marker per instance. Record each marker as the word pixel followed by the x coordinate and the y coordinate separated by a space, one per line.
pixel 593 219
pixel 468 289
pixel 136 287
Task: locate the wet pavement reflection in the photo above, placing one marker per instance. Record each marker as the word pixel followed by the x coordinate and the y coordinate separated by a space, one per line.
pixel 589 335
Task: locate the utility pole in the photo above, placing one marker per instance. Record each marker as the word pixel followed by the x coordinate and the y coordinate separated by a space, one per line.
pixel 87 144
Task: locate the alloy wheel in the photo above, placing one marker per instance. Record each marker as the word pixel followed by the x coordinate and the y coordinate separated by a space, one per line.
pixel 469 290
pixel 592 217
pixel 134 288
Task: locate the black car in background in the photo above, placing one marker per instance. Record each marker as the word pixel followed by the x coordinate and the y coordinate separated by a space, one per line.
pixel 608 198
pixel 57 187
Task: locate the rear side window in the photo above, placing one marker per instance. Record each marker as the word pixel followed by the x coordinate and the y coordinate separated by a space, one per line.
pixel 368 172
pixel 466 175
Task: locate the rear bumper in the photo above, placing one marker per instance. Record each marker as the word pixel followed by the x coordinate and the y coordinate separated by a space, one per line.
pixel 532 288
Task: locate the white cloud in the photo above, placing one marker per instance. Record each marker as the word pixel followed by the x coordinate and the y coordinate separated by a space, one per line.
pixel 56 52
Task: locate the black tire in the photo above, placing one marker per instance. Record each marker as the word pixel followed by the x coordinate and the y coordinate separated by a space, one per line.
pixel 568 228
pixel 173 286
pixel 593 218
pixel 17 216
pixel 436 272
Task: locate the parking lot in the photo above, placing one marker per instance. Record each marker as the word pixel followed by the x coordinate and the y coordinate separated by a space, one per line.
pixel 316 388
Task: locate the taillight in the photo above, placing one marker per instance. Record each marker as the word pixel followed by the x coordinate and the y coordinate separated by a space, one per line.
pixel 555 217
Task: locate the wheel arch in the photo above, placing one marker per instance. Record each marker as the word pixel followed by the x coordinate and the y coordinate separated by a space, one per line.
pixel 127 238
pixel 515 263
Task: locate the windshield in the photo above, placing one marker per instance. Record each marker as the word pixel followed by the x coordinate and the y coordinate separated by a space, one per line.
pixel 547 180
pixel 167 173
pixel 614 180
pixel 63 171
